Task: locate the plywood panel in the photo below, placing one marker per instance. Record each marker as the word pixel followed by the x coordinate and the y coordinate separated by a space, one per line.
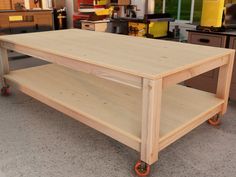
pixel 5 4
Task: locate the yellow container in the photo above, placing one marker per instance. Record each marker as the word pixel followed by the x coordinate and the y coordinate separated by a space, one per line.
pixel 156 29
pixel 101 2
pixel 212 13
pixel 137 29
pixel 104 11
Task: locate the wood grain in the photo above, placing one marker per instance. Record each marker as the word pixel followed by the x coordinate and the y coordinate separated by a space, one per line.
pixel 113 108
pixel 147 58
pixel 4 65
pixel 224 80
pixel 151 116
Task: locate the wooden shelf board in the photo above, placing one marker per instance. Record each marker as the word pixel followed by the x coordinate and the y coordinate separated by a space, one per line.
pixel 110 107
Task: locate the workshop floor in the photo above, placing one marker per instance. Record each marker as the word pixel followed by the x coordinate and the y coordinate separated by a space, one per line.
pixel 37 141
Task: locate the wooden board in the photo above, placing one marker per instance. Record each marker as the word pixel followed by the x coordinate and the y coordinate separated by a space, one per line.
pixel 5 5
pixel 113 108
pixel 137 56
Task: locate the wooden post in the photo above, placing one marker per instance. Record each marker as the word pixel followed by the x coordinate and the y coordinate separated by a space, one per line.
pixel 4 65
pixel 224 81
pixel 151 110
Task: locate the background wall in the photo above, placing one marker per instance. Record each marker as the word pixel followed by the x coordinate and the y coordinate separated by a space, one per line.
pixel 70 12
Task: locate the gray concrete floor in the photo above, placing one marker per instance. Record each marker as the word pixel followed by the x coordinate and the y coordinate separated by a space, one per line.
pixel 37 141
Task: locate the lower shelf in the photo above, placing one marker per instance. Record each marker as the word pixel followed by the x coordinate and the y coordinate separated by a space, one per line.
pixel 112 108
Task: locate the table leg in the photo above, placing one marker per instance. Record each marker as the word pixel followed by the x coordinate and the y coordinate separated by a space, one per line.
pixel 151 110
pixel 4 65
pixel 224 81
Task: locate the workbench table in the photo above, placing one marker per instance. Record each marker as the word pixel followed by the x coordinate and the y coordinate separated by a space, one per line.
pixel 124 87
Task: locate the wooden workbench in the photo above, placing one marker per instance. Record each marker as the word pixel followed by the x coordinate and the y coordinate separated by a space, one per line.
pixel 124 87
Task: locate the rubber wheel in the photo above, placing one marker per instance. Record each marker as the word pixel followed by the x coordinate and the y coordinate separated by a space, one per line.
pixel 214 121
pixel 140 171
pixel 5 91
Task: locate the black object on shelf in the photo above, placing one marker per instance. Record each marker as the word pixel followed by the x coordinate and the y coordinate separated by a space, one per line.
pixel 60 19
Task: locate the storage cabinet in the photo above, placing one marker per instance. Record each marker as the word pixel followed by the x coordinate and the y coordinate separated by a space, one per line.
pixel 9 4
pixel 5 5
pixel 120 2
pixel 233 83
pixel 43 22
pixel 14 22
pixel 4 24
pixel 207 39
pixel 206 81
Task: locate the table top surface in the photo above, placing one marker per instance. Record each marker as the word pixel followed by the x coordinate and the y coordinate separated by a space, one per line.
pixel 150 58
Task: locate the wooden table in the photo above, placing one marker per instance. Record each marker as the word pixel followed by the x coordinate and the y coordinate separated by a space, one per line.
pixel 124 87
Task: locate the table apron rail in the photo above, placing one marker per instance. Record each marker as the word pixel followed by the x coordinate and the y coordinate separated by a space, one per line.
pixel 189 73
pixel 102 72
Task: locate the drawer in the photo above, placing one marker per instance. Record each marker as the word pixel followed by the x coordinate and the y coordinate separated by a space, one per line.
pixel 234 76
pixel 207 39
pixel 22 27
pixel 232 93
pixel 232 44
pixel 88 26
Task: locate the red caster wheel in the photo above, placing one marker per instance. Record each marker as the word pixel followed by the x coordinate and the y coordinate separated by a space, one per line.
pixel 214 121
pixel 142 169
pixel 5 91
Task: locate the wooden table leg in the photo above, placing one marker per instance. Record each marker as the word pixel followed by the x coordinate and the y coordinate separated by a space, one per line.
pixel 4 65
pixel 151 110
pixel 224 81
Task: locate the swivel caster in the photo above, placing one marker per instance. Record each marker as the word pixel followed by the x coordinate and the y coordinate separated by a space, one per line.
pixel 214 121
pixel 5 91
pixel 142 168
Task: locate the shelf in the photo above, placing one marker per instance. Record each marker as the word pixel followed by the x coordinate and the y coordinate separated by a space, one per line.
pixel 112 108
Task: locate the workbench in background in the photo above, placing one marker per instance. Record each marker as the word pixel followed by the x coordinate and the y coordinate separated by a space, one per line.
pixel 13 22
pixel 208 81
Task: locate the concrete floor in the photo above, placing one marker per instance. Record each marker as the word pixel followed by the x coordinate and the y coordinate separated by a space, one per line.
pixel 37 141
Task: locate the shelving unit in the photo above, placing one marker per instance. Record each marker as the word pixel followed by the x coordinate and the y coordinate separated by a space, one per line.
pixel 126 88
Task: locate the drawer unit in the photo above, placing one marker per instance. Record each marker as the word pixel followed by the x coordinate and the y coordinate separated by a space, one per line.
pixel 95 26
pixel 206 81
pixel 4 24
pixel 233 82
pixel 207 39
pixel 14 22
pixel 232 94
